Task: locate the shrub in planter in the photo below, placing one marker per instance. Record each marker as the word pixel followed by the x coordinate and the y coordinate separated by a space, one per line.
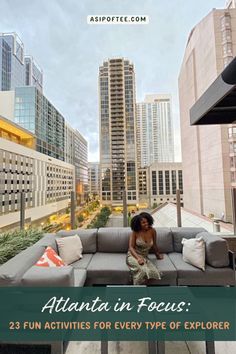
pixel 12 243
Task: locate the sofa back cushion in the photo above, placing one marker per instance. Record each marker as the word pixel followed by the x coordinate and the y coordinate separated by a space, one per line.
pixel 48 240
pixel 88 238
pixel 216 250
pixel 113 240
pixel 116 240
pixel 11 272
pixel 179 233
pixel 164 239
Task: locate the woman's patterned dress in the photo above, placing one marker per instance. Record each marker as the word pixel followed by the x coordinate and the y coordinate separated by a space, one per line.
pixel 140 273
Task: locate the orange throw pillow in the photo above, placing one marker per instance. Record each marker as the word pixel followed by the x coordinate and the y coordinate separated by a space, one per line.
pixel 50 259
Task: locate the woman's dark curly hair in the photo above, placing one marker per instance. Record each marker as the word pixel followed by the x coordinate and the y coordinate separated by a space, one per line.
pixel 136 221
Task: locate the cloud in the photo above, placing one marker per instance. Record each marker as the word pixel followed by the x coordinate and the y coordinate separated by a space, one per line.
pixel 70 51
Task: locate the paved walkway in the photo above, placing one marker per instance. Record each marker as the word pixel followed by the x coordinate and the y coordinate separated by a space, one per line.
pixel 115 221
pixel 167 217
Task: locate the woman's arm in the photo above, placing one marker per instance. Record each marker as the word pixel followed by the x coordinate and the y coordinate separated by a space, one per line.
pixel 155 248
pixel 132 242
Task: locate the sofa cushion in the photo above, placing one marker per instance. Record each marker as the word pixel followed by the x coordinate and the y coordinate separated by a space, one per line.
pixel 164 239
pixel 190 275
pixel 183 232
pixel 216 250
pixel 48 277
pixel 48 240
pixel 12 271
pixel 83 262
pixel 169 273
pixel 108 268
pixel 70 248
pixel 88 238
pixel 79 277
pixel 194 252
pixel 114 240
pixel 50 259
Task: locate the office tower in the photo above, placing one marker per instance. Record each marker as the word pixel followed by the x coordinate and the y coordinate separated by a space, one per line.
pixel 16 69
pixel 12 69
pixel 93 179
pixel 35 113
pixel 33 73
pixel 155 141
pixel 46 182
pixel 205 150
pixel 117 132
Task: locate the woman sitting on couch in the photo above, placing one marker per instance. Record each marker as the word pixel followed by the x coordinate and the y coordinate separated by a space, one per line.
pixel 142 239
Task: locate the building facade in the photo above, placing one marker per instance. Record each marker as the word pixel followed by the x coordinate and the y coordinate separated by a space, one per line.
pixel 35 113
pixel 46 182
pixel 155 137
pixel 76 153
pixel 159 182
pixel 93 179
pixel 33 73
pixel 118 160
pixel 205 150
pixel 80 161
pixel 54 136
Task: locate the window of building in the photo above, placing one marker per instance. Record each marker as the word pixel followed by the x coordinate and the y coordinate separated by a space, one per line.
pixel 160 180
pixel 173 178
pixel 154 182
pixel 180 175
pixel 167 181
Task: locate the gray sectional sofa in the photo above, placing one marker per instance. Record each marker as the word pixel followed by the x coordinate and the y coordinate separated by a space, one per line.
pixel 104 260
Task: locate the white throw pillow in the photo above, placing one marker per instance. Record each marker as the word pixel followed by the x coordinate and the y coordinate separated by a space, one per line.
pixel 194 252
pixel 70 248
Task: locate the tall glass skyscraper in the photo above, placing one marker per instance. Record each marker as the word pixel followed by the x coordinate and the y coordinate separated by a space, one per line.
pixel 12 69
pixel 117 132
pixel 17 70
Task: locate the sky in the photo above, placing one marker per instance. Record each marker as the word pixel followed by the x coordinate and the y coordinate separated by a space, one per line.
pixel 70 51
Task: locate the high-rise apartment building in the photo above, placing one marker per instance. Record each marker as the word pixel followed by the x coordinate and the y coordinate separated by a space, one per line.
pixel 93 179
pixel 16 69
pixel 205 149
pixel 117 132
pixel 76 153
pixel 80 161
pixel 155 141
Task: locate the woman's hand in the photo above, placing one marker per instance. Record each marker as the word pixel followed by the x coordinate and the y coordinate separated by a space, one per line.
pixel 160 256
pixel 140 260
